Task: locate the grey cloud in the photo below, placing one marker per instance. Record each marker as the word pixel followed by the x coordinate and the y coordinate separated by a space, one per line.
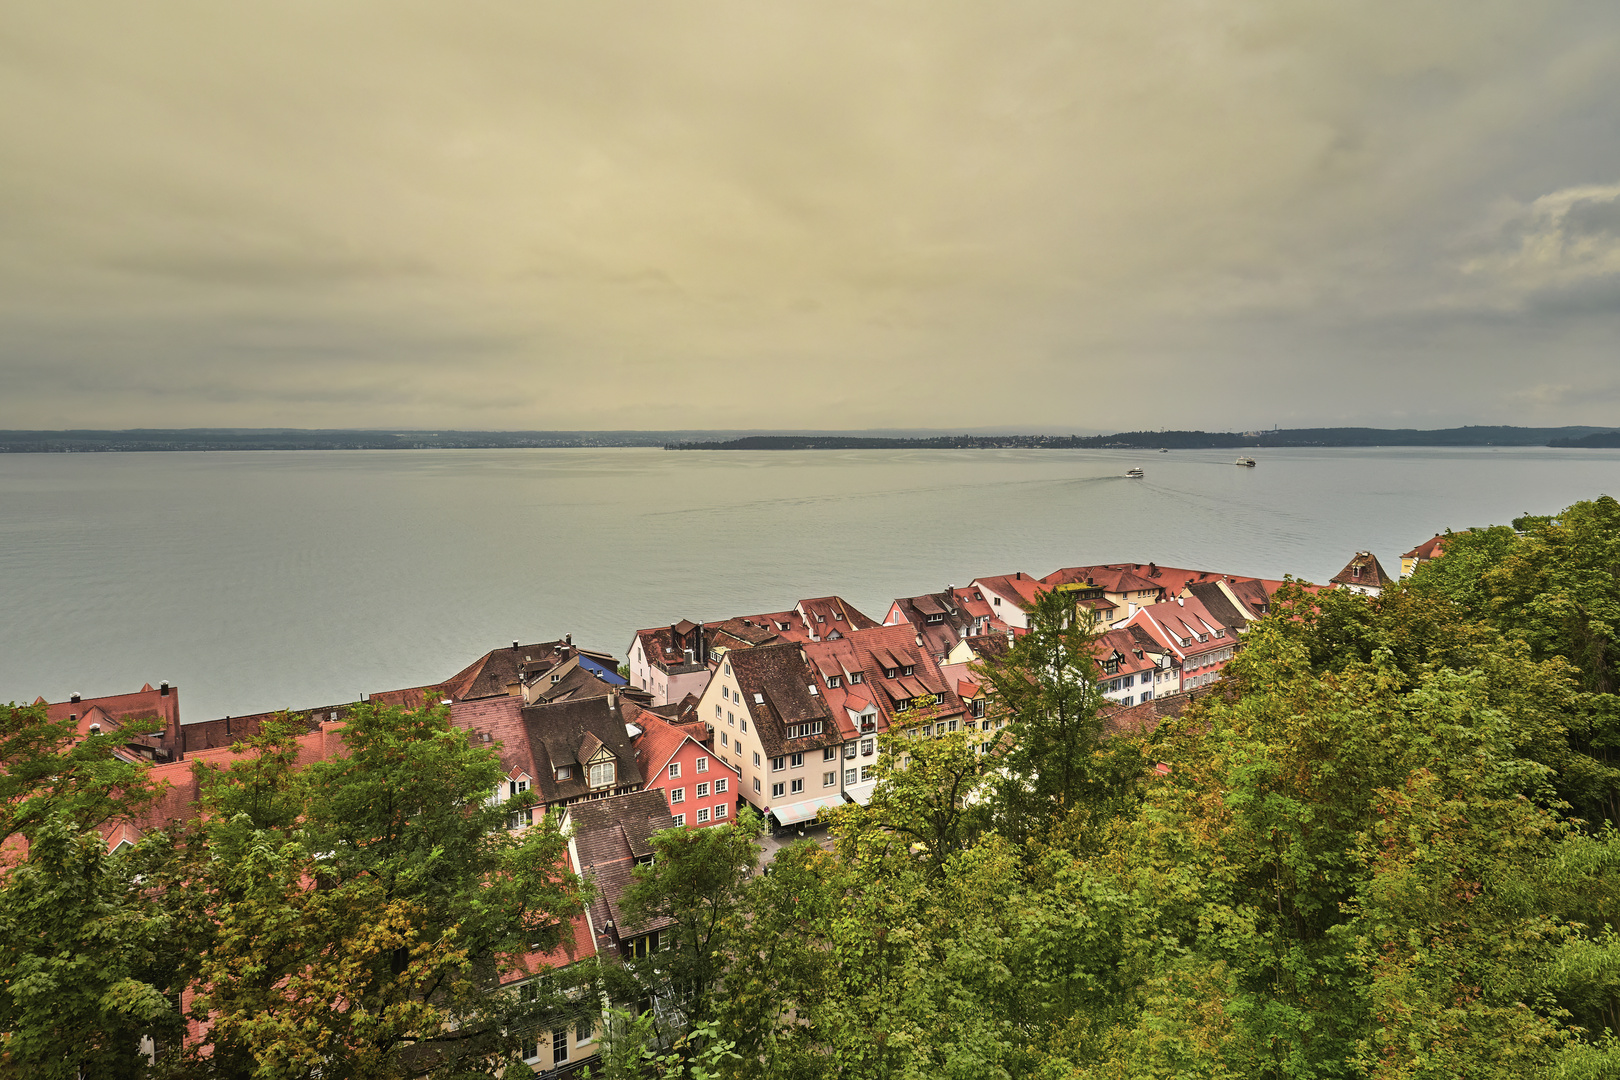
pixel 516 215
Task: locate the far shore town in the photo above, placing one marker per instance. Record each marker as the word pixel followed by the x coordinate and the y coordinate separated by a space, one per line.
pixel 780 711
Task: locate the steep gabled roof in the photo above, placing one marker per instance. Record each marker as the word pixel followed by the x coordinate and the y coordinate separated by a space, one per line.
pixel 1218 604
pixel 775 681
pixel 558 731
pixel 609 835
pixel 501 719
pixel 1363 570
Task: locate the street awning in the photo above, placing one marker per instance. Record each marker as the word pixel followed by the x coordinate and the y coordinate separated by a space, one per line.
pixel 861 793
pixel 794 813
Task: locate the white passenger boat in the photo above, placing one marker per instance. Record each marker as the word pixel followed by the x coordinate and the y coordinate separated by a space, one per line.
pixel 1135 474
pixel 1246 462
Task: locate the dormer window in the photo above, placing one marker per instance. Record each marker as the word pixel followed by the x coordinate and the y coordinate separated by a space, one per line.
pixel 834 681
pixel 889 672
pixel 604 774
pixel 565 772
pixel 906 670
pixel 821 618
pixel 936 618
pixel 856 677
pixel 1220 633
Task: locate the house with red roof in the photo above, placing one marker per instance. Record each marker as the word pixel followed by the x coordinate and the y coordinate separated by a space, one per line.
pixel 110 715
pixel 1125 588
pixel 700 788
pixel 1125 670
pixel 1198 643
pixel 670 662
pixel 818 619
pixel 1010 596
pixel 1427 551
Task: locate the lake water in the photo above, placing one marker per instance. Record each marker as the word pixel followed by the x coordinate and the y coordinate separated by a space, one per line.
pixel 262 580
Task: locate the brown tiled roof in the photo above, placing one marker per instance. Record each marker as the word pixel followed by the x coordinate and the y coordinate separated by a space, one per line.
pixel 1145 718
pixel 576 684
pixel 1123 644
pixel 952 621
pixel 775 681
pixel 557 732
pixel 501 718
pixel 1219 605
pixel 1371 575
pixel 609 835
pixel 1118 579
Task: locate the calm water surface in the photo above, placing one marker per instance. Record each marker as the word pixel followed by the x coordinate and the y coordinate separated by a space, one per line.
pixel 263 580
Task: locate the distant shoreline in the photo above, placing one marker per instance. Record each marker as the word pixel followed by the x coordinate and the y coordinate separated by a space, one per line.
pixel 155 440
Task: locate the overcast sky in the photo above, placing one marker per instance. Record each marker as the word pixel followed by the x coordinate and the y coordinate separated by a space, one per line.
pixel 1073 215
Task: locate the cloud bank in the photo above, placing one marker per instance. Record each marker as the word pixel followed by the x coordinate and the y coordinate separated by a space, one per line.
pixel 838 215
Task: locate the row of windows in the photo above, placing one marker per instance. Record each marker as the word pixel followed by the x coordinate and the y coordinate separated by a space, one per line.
pixel 702 816
pixel 702 765
pixel 678 795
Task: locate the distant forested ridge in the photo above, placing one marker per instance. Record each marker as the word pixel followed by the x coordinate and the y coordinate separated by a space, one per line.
pixel 1596 440
pixel 195 439
pixel 1182 440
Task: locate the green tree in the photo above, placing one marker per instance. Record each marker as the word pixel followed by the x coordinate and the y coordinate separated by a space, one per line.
pixel 88 967
pixel 699 878
pixel 363 935
pixel 50 773
pixel 1045 685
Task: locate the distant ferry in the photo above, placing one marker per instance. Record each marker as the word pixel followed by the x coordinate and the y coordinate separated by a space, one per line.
pixel 1246 462
pixel 1134 473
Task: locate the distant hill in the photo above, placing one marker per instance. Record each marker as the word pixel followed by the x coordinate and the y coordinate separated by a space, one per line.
pixel 196 439
pixel 1596 440
pixel 1170 440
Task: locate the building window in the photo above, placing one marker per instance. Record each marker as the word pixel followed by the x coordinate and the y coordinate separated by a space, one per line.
pixel 889 672
pixel 559 1045
pixel 828 779
pixel 867 746
pixel 674 770
pixel 978 707
pixel 745 725
pixel 703 815
pixel 849 750
pixel 830 754
pixel 677 795
pixel 730 719
pixel 565 772
pixel 798 785
pixel 728 667
pixel 585 1030
pixel 756 783
pixel 906 670
pixel 778 764
pixel 725 693
pixel 796 760
pixel 680 819
pixel 717 711
pixel 776 791
pixel 856 677
pixel 866 772
pixel 531 1048
pixel 849 776
pixel 721 786
pixel 756 759
pixel 702 764
pixel 702 792
pixel 725 740
pixel 720 811
pixel 834 681
pixel 604 773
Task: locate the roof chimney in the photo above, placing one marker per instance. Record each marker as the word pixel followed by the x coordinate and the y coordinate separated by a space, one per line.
pixel 73 696
pixel 514 645
pixel 163 688
pixel 568 639
pixel 95 729
pixel 1181 601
